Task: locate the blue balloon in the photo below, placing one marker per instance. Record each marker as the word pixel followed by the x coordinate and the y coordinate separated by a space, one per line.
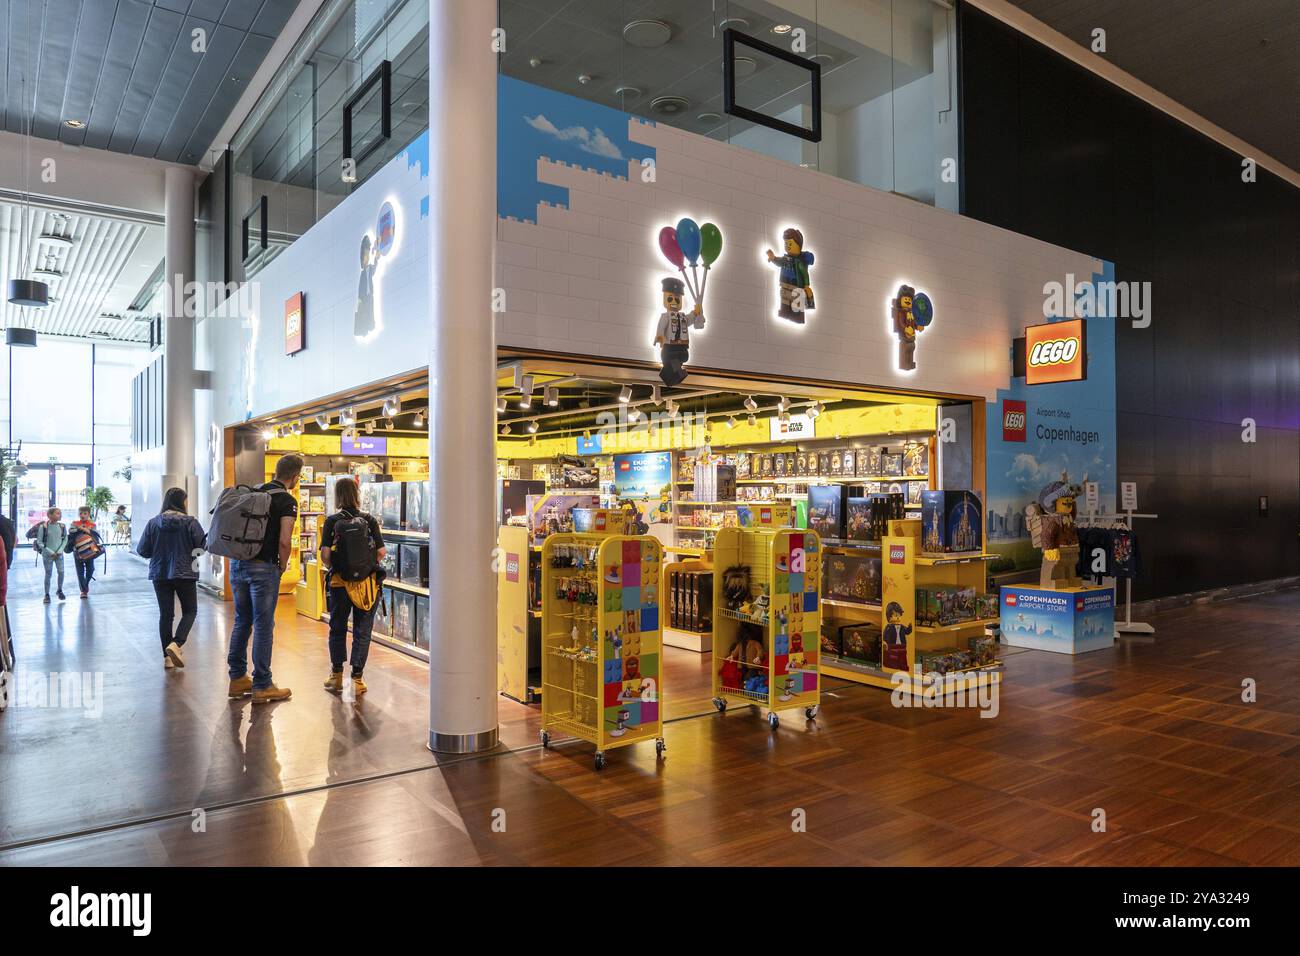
pixel 688 240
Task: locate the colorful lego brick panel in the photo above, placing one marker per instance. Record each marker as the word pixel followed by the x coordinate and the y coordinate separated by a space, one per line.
pixel 631 597
pixel 650 618
pixel 632 574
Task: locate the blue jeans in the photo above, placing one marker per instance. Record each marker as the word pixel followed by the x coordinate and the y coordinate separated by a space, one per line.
pixel 362 623
pixel 257 589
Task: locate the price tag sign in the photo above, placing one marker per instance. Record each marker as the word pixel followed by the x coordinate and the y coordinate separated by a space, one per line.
pixel 1128 494
pixel 1091 496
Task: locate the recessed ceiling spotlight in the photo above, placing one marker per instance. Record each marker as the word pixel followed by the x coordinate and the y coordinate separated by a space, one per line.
pixel 74 124
pixel 534 61
pixel 669 105
pixel 626 93
pixel 625 394
pixel 781 29
pixel 647 34
pixel 733 23
pixel 825 59
pixel 709 117
pixel 751 404
pixel 584 78
pixel 744 66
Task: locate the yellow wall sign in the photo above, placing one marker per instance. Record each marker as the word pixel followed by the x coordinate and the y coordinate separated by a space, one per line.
pixel 408 469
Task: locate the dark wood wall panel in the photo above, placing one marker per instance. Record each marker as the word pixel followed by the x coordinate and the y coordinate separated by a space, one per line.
pixel 1052 151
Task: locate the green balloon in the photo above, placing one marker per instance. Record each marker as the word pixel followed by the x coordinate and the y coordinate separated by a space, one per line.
pixel 710 243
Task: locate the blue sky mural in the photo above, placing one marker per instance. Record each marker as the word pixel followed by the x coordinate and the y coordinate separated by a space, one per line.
pixel 1070 427
pixel 533 122
pixel 417 154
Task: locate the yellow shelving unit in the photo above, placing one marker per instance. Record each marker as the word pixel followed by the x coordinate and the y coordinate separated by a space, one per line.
pixel 903 570
pixel 785 602
pixel 602 647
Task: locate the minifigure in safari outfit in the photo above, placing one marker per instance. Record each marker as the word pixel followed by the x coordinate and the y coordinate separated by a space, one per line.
pixel 796 286
pixel 673 334
pixel 1052 528
pixel 912 313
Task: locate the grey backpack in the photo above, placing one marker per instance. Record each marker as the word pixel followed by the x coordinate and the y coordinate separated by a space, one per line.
pixel 239 520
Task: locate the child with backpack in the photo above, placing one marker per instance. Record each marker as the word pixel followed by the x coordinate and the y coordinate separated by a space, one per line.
pixel 49 538
pixel 351 549
pixel 85 545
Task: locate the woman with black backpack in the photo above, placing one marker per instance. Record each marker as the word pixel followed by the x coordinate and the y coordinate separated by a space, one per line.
pixel 351 549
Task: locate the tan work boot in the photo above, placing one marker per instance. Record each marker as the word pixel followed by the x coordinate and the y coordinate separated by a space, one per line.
pixel 173 653
pixel 268 695
pixel 240 687
pixel 358 686
pixel 334 683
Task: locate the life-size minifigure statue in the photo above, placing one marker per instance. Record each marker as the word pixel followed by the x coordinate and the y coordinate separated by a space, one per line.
pixel 1052 527
pixel 673 334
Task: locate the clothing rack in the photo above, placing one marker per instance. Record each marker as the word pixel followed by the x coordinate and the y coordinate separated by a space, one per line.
pixel 1124 521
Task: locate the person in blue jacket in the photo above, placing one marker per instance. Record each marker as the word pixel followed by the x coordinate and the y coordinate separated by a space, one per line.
pixel 171 541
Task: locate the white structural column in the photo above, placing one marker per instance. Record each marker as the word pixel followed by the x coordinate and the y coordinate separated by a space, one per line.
pixel 462 377
pixel 179 378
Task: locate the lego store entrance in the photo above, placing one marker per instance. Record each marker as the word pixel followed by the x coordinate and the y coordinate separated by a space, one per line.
pixel 654 562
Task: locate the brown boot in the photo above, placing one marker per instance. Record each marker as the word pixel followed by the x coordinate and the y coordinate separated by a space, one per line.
pixel 240 687
pixel 334 683
pixel 271 694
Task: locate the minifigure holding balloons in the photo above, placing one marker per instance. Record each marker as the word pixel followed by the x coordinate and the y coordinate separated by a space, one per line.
pixel 687 243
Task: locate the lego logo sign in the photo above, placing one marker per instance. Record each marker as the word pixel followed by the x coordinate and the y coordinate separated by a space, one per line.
pixel 1056 352
pixel 512 568
pixel 1078 604
pixel 600 522
pixel 1011 600
pixel 765 515
pixel 897 554
pixel 1015 420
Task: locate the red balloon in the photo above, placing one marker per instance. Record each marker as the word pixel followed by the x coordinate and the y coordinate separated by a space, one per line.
pixel 668 246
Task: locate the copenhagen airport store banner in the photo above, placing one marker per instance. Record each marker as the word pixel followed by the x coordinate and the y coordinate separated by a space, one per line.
pixel 1036 433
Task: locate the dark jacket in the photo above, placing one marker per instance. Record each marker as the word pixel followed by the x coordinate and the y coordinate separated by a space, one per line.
pixel 169 541
pixel 9 535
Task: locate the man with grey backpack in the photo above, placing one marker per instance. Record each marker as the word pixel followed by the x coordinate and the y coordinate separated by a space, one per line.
pixel 254 527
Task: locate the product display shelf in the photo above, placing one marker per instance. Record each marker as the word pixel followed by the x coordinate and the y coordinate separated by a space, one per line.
pixel 689 626
pixel 783 614
pixel 519 613
pixel 602 648
pixel 904 570
pixel 309 595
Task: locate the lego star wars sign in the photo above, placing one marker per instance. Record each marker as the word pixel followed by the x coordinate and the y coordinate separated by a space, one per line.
pixel 1056 352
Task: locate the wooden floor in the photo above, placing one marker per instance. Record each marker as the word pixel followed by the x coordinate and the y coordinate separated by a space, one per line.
pixel 1153 734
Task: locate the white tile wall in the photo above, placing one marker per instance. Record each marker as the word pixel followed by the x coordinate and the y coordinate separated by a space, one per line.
pixel 585 278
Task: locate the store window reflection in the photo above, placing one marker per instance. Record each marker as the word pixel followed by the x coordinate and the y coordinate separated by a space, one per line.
pixel 291 148
pixel 888 95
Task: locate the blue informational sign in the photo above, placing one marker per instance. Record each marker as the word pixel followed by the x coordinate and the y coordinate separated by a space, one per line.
pixel 1068 622
pixel 589 446
pixel 640 476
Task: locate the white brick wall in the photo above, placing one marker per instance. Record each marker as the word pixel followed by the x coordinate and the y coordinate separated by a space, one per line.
pixel 585 278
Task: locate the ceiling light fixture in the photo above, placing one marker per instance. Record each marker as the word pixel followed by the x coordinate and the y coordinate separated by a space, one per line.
pixel 753 420
pixel 532 427
pixel 323 421
pixel 731 421
pixel 625 394
pixel 370 427
pixel 750 404
pixel 55 240
pixel 392 406
pixel 31 293
pixel 348 417
pixel 782 404
pixel 267 434
pixel 501 405
pixel 656 395
pixel 74 124
pixel 551 396
pixel 671 407
pixel 781 29
pixel 505 430
pixel 388 424
pixel 418 421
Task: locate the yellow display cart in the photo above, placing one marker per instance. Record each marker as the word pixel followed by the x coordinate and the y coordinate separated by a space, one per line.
pixel 602 648
pixel 904 641
pixel 782 612
pixel 518 616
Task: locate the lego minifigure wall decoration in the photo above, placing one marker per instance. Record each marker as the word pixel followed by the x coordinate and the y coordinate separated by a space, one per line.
pixel 687 243
pixel 796 290
pixel 1051 522
pixel 912 313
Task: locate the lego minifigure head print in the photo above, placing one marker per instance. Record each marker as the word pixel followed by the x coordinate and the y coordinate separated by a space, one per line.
pixel 894 612
pixel 1060 496
pixel 365 251
pixel 674 293
pixel 793 240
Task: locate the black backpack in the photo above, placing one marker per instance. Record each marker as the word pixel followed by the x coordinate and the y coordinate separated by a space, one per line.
pixel 354 555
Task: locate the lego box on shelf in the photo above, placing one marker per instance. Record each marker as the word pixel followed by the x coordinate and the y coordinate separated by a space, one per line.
pixel 951 522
